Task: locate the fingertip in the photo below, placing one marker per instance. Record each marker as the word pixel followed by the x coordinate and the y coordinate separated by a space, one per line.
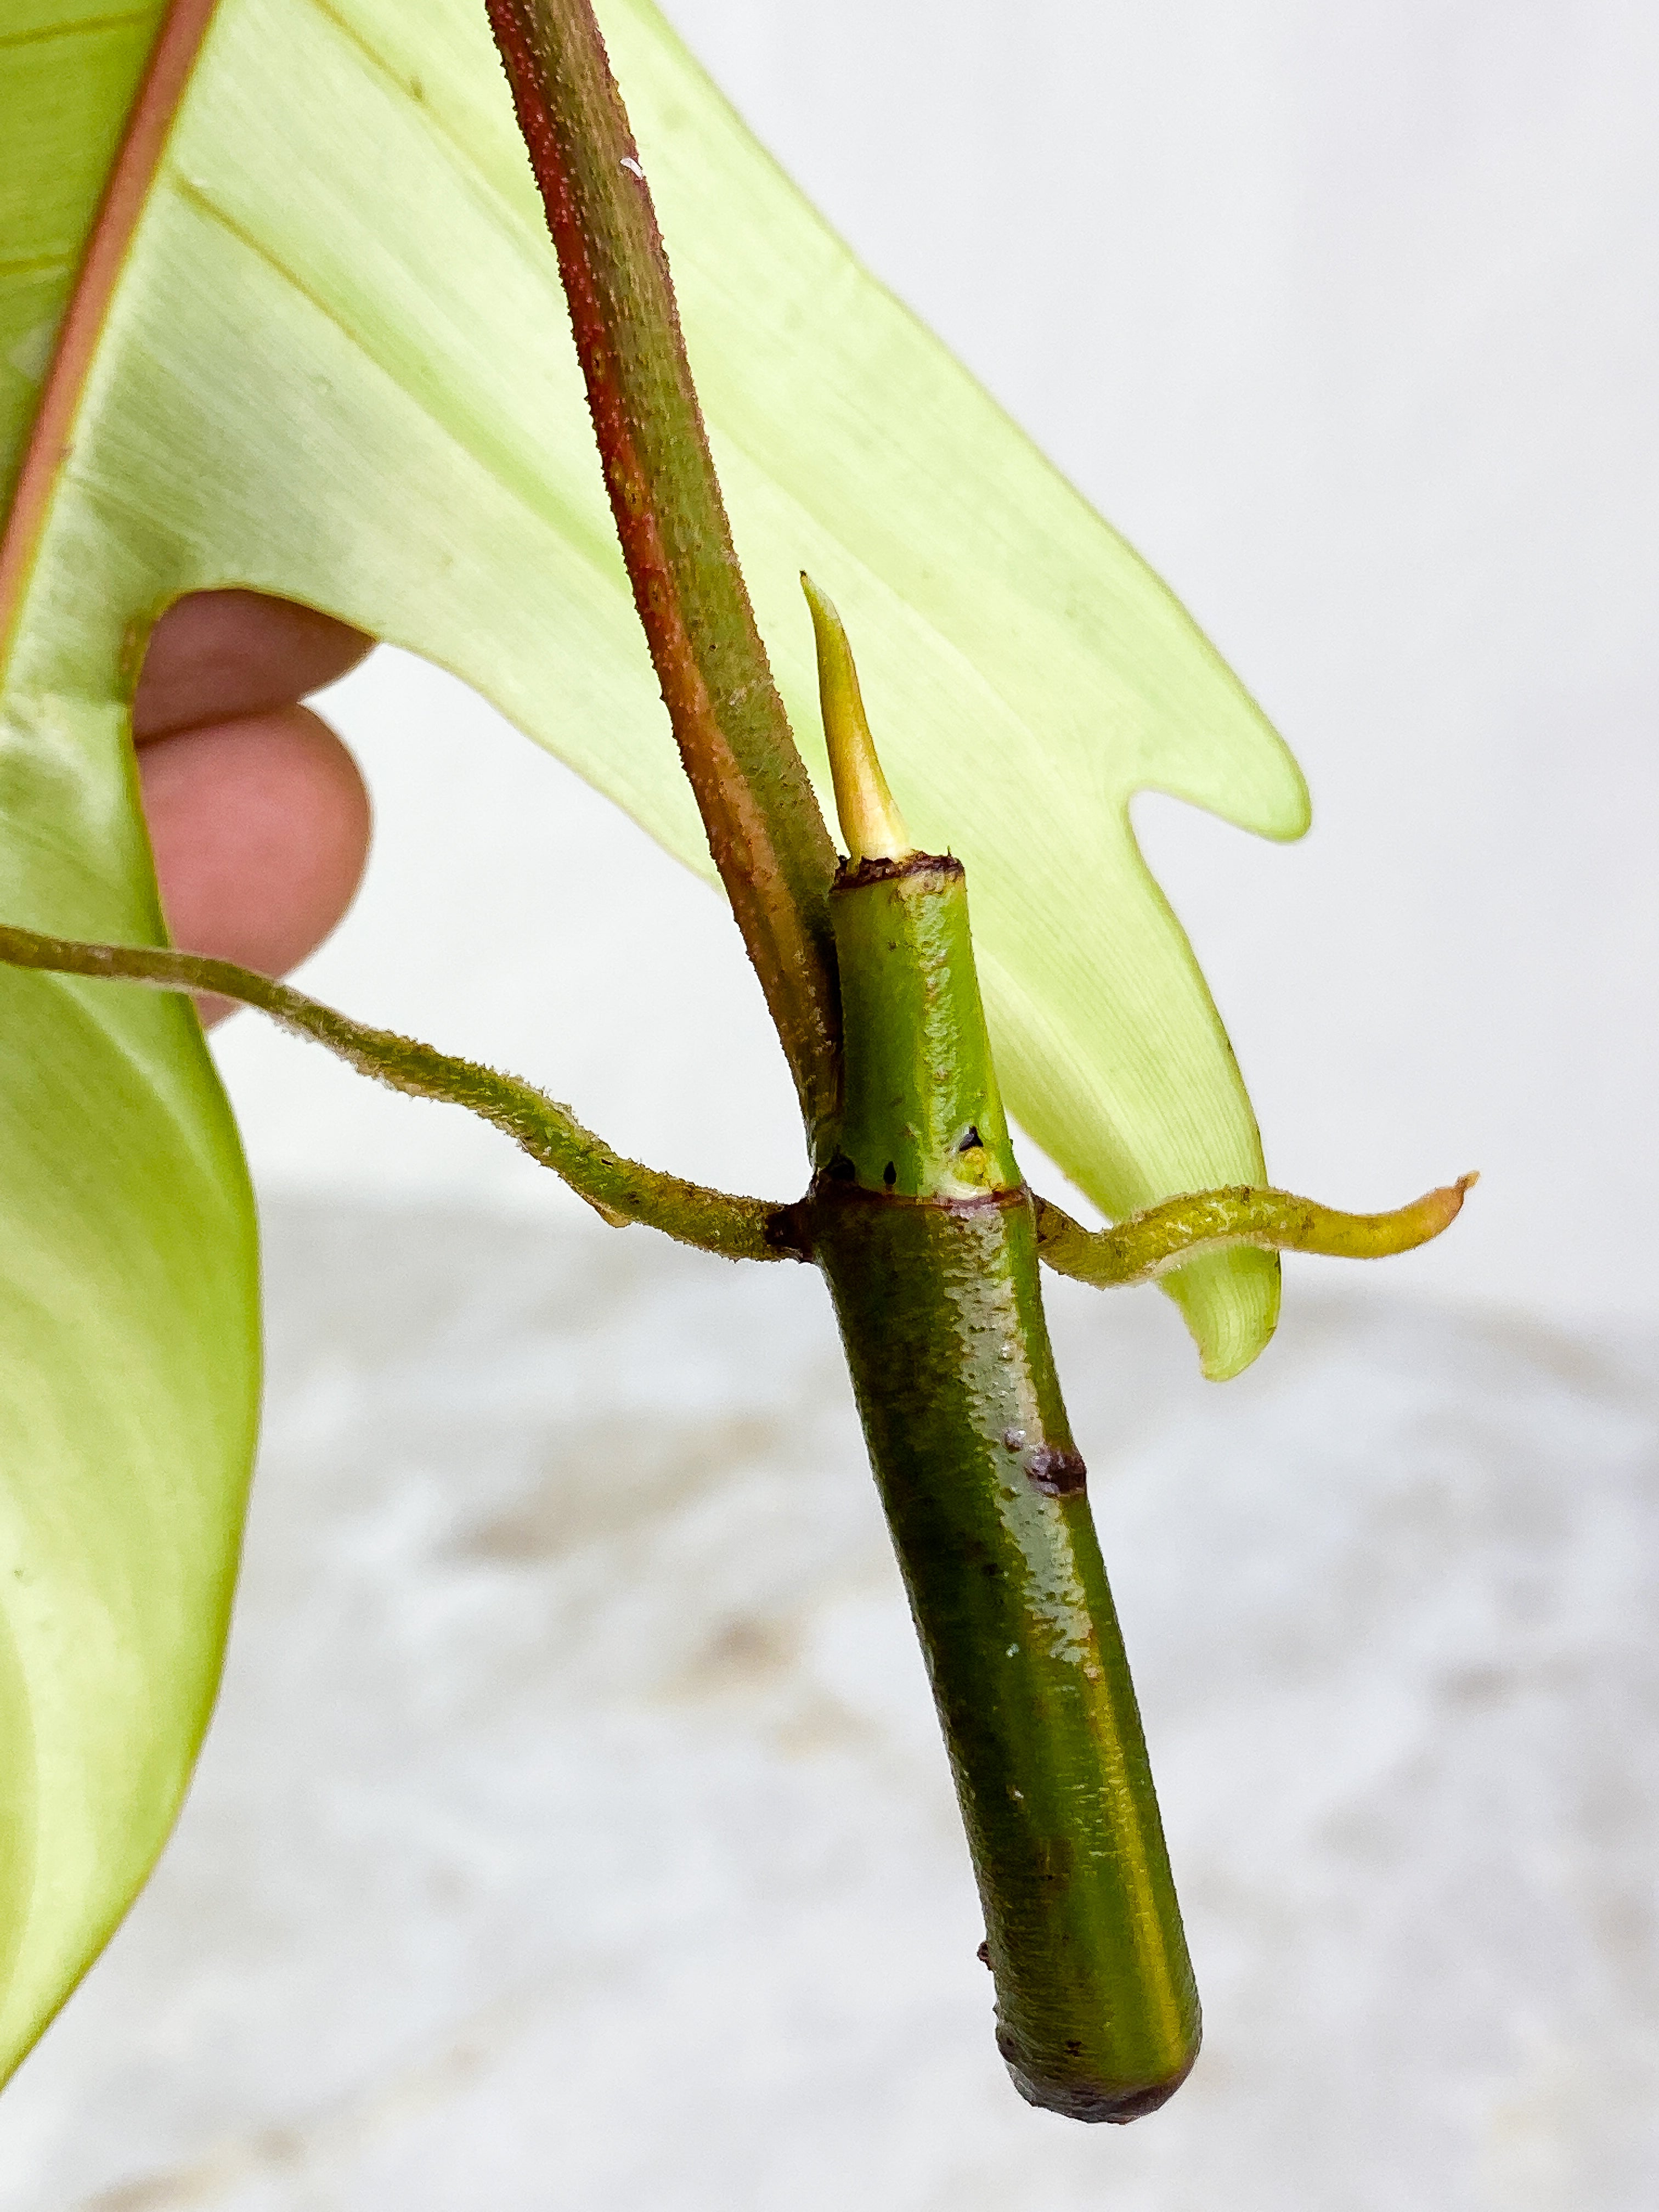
pixel 215 657
pixel 260 831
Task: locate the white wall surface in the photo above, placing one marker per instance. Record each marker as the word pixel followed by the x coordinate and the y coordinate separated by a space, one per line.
pixel 1347 316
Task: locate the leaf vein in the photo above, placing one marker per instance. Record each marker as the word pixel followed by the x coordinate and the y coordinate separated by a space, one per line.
pixel 45 34
pixel 465 153
pixel 595 549
pixel 34 264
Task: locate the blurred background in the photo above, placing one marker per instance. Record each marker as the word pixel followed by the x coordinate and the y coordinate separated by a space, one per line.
pixel 573 1832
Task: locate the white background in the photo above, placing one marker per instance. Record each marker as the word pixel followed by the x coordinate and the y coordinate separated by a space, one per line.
pixel 1347 316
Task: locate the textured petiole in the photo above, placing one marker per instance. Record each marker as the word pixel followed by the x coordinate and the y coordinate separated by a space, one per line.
pixel 765 833
pixel 620 1190
pixel 625 1191
pixel 1148 1244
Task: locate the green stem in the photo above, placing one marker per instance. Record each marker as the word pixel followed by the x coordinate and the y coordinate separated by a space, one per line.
pixel 928 1239
pixel 941 1316
pixel 619 1189
pixel 921 1115
pixel 764 828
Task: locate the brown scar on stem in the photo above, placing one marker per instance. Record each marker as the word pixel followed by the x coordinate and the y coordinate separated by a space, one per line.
pixel 1057 1473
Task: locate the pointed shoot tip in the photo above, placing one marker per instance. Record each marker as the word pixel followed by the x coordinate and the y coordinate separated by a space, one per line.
pixel 870 821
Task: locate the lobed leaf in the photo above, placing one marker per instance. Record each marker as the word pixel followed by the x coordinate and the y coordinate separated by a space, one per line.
pixel 324 355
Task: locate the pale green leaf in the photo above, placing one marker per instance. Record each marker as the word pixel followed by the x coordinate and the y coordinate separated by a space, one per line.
pixel 336 365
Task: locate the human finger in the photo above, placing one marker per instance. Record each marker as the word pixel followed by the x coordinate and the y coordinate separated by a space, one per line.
pixel 217 656
pixel 260 831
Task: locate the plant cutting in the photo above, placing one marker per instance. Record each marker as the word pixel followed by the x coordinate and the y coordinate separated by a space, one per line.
pixel 372 344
